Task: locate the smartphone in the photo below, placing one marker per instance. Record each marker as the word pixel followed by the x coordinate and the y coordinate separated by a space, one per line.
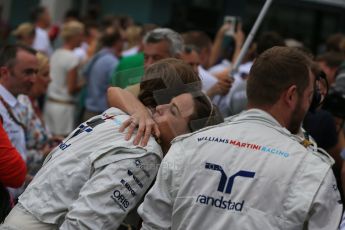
pixel 233 20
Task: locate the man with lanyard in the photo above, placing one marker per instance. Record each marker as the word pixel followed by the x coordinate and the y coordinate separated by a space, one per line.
pixel 18 69
pixel 262 175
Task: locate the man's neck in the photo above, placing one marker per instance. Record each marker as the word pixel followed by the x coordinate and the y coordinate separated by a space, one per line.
pixel 41 25
pixel 68 46
pixel 275 111
pixel 8 89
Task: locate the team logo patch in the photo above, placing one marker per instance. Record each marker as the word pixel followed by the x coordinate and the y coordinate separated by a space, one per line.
pixel 225 185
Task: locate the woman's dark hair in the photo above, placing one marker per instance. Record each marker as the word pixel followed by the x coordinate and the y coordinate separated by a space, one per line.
pixel 205 113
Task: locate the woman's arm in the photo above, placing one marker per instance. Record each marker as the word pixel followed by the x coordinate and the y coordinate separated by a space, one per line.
pixel 140 115
pixel 73 83
pixel 124 100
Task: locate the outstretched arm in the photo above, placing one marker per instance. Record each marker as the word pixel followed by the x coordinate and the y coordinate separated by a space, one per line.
pixel 140 115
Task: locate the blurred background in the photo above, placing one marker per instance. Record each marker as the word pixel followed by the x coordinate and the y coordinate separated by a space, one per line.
pixel 308 21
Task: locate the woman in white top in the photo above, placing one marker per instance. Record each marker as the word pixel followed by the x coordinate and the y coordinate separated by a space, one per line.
pixel 60 105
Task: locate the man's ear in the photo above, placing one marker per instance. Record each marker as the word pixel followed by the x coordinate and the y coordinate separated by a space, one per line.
pixel 290 96
pixel 3 71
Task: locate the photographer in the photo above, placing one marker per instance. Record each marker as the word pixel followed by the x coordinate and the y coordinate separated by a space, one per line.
pixel 322 124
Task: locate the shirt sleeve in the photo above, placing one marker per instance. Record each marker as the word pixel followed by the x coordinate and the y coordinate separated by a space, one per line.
pixel 326 210
pixel 157 208
pixel 109 195
pixel 12 165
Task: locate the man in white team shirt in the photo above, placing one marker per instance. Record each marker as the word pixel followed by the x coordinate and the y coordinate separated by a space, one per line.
pixel 251 172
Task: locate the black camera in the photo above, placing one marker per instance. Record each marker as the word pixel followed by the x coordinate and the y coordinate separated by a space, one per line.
pixel 335 103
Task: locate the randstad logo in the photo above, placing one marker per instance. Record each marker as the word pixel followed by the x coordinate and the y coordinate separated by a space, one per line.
pixel 225 186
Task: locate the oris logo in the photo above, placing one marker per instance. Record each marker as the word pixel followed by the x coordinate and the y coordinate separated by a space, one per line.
pixel 120 200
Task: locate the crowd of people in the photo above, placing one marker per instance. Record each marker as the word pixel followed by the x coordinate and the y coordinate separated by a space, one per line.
pixel 113 125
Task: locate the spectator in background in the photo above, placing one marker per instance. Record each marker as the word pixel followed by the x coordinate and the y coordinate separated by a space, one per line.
pixel 333 42
pixel 87 48
pixel 231 44
pixel 214 87
pixel 191 57
pixel 25 34
pixel 237 101
pixel 161 43
pixel 71 15
pixel 18 70
pixel 330 63
pixel 98 74
pixel 60 106
pixel 225 49
pixel 41 18
pixel 133 37
pixel 321 125
pixel 203 44
pixel 131 68
pixel 336 43
pixel 39 141
pixel 158 44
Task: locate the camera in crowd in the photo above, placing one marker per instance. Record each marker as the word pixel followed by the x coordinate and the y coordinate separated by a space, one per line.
pixel 233 21
pixel 335 103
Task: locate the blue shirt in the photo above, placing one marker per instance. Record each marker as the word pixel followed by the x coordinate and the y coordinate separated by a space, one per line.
pixel 98 75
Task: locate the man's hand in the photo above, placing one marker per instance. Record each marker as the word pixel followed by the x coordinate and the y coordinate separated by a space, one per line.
pixel 222 87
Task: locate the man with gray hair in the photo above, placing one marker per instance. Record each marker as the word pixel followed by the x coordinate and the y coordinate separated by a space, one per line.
pixel 158 44
pixel 161 43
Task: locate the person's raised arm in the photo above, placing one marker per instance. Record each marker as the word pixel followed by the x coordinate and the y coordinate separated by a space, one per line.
pixel 217 44
pixel 239 40
pixel 140 115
